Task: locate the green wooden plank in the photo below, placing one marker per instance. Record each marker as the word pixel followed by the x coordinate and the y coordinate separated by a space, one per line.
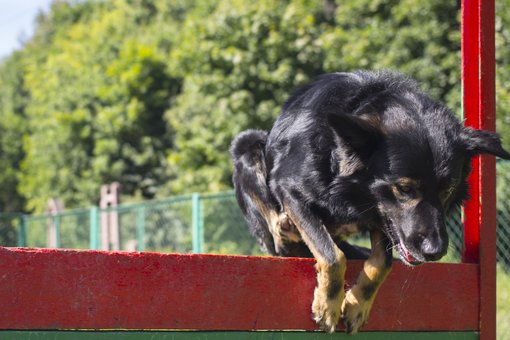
pixel 193 335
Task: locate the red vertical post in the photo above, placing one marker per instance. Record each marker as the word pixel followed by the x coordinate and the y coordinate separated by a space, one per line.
pixel 478 77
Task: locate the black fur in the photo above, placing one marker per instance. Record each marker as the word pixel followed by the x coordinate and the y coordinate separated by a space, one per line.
pixel 248 154
pixel 335 157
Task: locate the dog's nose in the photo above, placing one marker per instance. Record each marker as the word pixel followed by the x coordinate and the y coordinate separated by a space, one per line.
pixel 434 247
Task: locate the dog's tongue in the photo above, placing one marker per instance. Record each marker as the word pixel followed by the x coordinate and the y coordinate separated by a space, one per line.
pixel 410 257
pixel 407 253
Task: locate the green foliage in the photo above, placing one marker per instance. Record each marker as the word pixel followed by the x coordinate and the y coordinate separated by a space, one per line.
pixel 503 71
pixel 13 99
pixel 419 38
pixel 502 306
pixel 150 92
pixel 237 67
pixel 225 231
pixel 97 100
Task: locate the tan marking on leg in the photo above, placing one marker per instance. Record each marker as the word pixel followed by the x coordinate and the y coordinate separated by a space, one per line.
pixel 279 225
pixel 329 292
pixel 328 296
pixel 360 298
pixel 343 231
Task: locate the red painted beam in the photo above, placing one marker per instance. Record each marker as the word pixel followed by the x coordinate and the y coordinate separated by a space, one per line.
pixel 470 98
pixel 478 73
pixel 478 78
pixel 64 289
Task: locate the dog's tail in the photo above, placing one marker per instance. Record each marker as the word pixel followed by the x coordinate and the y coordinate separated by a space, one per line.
pixel 250 183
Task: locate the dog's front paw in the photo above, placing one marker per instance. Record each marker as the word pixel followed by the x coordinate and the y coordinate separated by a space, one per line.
pixel 326 311
pixel 355 311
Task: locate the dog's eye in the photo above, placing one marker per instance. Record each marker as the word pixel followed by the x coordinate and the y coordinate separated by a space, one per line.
pixel 404 189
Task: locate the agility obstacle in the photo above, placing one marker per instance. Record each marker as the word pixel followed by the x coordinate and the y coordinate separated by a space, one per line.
pixel 46 289
pixel 66 294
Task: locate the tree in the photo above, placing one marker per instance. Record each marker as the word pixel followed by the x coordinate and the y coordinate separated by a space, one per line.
pixel 418 38
pixel 13 99
pixel 503 71
pixel 151 92
pixel 238 67
pixel 240 64
pixel 98 95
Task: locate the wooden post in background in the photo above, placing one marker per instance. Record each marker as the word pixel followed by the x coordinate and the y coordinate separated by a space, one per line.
pixel 110 234
pixel 55 206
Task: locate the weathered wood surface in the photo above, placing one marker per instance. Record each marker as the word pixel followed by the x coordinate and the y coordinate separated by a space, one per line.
pixel 65 289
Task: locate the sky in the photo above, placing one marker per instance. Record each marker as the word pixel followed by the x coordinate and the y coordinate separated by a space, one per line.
pixel 17 20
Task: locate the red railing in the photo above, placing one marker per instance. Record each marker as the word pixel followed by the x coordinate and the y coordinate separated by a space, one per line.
pixel 478 80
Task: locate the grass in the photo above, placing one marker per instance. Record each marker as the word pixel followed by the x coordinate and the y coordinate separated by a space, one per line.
pixel 503 305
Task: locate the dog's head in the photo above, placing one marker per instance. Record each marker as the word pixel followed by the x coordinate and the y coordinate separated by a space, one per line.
pixel 417 155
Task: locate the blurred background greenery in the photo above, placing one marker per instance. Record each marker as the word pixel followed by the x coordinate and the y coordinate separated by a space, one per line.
pixel 150 92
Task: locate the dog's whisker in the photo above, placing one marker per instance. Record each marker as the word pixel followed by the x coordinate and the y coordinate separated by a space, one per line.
pixel 370 208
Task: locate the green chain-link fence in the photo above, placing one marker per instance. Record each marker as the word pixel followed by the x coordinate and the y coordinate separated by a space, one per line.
pixel 197 223
pixel 503 214
pixel 202 223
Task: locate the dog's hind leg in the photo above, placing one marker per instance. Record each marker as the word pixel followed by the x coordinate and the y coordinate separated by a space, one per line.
pixel 359 299
pixel 270 227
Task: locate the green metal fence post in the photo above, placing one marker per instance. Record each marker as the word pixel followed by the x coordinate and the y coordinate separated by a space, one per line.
pixel 94 228
pixel 140 228
pixel 197 224
pixel 22 231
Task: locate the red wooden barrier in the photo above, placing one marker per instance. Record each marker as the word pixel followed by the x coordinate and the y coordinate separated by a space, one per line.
pixel 65 289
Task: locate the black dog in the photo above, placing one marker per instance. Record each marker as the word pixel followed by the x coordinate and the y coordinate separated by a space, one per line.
pixel 353 152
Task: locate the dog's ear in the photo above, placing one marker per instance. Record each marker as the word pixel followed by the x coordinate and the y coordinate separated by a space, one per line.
pixel 480 141
pixel 357 133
